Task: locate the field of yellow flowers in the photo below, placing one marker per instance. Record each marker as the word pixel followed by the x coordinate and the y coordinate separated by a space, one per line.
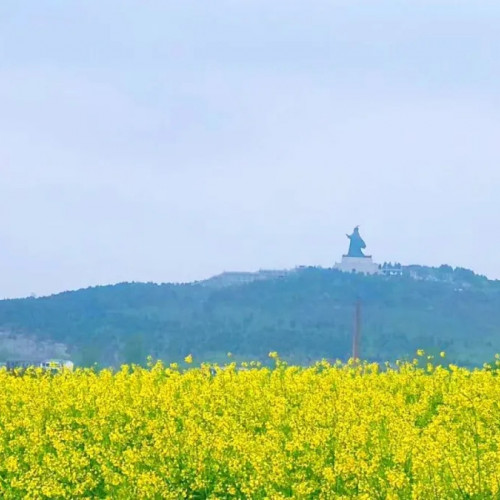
pixel 327 431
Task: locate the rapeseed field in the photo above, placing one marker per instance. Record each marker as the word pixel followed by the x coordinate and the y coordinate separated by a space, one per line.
pixel 356 430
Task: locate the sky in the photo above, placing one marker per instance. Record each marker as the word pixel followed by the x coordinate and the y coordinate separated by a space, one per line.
pixel 169 141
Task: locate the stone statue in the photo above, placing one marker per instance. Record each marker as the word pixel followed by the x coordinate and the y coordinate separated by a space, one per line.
pixel 356 261
pixel 356 244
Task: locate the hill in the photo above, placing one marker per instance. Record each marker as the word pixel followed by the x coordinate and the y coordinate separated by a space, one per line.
pixel 304 314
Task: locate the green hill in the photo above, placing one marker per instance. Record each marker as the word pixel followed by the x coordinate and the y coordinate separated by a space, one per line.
pixel 304 314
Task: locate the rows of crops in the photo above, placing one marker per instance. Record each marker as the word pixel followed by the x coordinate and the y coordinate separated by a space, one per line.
pixel 327 431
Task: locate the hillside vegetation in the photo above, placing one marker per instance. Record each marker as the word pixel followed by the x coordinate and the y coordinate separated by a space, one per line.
pixel 305 314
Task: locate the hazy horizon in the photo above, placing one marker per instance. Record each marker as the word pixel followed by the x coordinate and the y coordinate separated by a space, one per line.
pixel 170 142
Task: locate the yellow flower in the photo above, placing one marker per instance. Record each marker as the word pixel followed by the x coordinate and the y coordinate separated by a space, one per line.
pixel 231 431
pixel 442 354
pixel 11 464
pixel 188 359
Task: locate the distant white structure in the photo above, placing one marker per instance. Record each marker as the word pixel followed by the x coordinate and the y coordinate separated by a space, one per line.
pixel 57 364
pixel 356 261
pixel 390 269
pixel 54 365
pixel 240 278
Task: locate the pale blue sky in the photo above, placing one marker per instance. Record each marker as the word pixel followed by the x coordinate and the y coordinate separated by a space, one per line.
pixel 169 141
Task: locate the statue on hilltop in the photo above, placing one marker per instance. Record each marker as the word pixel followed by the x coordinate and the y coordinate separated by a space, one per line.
pixel 356 261
pixel 356 244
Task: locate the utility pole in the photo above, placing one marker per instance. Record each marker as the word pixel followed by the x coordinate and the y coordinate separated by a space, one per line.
pixel 356 331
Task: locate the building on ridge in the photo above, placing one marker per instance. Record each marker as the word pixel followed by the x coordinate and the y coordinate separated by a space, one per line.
pixel 390 269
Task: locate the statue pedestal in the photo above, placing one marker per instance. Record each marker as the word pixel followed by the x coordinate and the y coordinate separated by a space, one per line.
pixel 364 265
